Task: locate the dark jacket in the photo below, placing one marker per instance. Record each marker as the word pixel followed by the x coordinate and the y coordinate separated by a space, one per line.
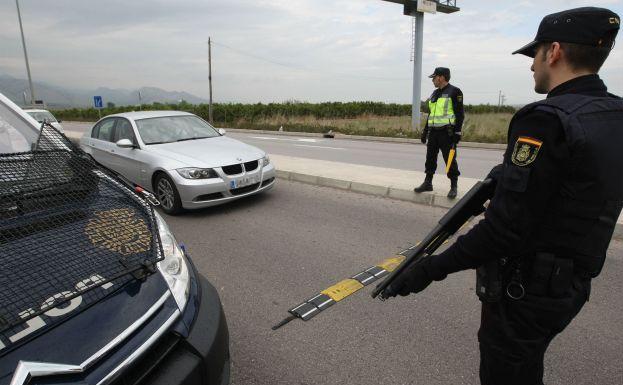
pixel 537 166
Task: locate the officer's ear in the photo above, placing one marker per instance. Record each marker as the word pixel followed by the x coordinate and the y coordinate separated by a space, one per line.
pixel 553 54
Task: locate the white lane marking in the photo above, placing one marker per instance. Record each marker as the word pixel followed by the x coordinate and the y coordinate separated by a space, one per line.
pixel 286 139
pixel 299 140
pixel 327 147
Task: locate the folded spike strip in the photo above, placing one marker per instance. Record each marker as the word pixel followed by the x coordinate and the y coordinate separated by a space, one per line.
pixel 463 212
pixel 333 294
pixel 328 297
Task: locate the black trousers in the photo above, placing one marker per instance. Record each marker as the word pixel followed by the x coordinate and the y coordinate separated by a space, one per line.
pixel 440 139
pixel 514 334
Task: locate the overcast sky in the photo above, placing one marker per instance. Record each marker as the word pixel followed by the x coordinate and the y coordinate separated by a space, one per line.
pixel 278 50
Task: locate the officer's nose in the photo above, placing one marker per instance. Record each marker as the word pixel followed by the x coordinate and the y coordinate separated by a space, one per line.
pixel 532 67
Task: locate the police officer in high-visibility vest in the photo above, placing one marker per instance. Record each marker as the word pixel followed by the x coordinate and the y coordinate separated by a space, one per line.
pixel 558 195
pixel 443 129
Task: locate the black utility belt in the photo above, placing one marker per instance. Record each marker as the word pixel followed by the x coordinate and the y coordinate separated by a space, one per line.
pixel 442 128
pixel 543 274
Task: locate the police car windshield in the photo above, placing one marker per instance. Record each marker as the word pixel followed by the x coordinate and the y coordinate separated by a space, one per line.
pixel 16 133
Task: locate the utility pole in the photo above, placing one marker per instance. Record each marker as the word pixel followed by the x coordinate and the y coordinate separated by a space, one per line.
pixel 140 101
pixel 32 89
pixel 416 112
pixel 501 99
pixel 210 78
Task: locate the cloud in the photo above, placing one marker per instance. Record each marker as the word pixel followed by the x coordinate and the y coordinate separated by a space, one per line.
pixel 275 50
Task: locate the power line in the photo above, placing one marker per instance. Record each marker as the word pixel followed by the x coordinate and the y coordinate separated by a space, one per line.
pixel 306 69
pixel 259 57
pixel 309 70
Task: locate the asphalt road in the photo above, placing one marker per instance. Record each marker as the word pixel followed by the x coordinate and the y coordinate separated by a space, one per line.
pixel 266 254
pixel 473 162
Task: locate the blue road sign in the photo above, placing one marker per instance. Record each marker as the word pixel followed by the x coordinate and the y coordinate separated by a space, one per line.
pixel 97 101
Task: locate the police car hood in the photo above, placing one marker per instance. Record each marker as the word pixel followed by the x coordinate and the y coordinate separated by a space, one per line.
pixel 78 250
pixel 95 340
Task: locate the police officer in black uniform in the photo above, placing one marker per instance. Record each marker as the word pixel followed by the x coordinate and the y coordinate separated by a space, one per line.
pixel 552 213
pixel 443 129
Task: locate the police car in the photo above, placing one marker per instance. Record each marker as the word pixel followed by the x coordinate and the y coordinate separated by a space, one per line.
pixel 95 289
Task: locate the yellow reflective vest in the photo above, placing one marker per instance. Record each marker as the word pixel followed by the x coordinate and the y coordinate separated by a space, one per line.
pixel 441 112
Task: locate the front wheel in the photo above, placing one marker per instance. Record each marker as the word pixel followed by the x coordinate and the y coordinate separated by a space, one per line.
pixel 167 194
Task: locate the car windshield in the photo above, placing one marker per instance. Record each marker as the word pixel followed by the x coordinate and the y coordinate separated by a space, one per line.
pixel 40 116
pixel 168 129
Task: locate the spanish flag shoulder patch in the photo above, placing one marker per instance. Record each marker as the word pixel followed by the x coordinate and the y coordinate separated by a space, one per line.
pixel 526 150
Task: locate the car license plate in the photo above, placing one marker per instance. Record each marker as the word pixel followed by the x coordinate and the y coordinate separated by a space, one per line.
pixel 242 182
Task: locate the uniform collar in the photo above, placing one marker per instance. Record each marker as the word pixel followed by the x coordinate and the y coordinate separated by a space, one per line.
pixel 586 85
pixel 442 88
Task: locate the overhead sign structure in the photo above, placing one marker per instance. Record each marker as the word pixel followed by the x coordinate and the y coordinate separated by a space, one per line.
pixel 417 8
pixel 443 6
pixel 426 6
pixel 98 102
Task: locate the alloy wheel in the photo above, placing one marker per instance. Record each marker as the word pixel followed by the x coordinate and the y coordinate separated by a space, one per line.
pixel 166 196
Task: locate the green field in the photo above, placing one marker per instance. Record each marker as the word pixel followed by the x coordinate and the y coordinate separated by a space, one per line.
pixel 483 123
pixel 485 128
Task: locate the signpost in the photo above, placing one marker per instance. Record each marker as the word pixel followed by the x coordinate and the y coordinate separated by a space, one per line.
pixel 99 104
pixel 417 8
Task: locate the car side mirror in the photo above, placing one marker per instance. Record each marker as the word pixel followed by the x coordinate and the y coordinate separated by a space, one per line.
pixel 125 143
pixel 221 131
pixel 60 121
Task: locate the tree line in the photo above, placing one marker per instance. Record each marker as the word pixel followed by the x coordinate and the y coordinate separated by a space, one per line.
pixel 231 112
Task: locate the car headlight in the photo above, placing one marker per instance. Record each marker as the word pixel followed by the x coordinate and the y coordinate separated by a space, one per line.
pixel 265 161
pixel 173 267
pixel 197 173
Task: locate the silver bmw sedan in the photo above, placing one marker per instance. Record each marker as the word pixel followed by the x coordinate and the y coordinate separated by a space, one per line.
pixel 180 157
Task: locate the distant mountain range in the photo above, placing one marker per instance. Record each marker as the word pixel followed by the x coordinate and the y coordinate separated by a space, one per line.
pixel 59 97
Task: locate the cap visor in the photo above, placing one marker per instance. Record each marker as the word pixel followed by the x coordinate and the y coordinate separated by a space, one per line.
pixel 431 76
pixel 527 49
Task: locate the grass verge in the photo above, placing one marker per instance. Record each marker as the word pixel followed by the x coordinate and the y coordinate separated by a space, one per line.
pixel 484 128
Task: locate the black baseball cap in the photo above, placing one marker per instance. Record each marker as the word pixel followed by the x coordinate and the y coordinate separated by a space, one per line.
pixel 587 26
pixel 443 71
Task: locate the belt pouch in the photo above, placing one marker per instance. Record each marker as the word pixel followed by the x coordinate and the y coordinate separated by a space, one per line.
pixel 489 282
pixel 542 266
pixel 562 277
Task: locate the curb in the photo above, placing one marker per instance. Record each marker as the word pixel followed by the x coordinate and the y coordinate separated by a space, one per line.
pixel 425 198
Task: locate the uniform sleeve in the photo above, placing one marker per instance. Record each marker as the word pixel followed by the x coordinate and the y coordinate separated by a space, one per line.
pixel 529 178
pixel 457 104
pixel 428 111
